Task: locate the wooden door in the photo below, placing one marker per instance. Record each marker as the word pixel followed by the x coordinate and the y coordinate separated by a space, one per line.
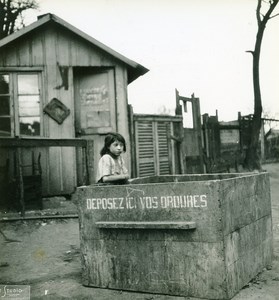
pixel 95 111
pixel 94 101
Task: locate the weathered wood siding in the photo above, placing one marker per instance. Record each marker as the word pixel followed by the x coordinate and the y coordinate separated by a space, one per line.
pixel 247 228
pixel 45 50
pixel 230 243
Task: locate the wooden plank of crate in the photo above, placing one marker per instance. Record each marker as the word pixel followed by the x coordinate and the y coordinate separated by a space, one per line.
pixel 146 225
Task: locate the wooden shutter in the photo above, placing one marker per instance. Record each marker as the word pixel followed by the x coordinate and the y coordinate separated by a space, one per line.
pixel 163 148
pixel 153 153
pixel 145 148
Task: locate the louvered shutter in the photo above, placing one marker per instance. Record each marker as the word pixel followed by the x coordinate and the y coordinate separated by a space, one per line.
pixel 163 148
pixel 152 147
pixel 145 146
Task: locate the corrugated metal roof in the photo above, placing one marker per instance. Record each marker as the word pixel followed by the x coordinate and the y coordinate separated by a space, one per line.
pixel 134 69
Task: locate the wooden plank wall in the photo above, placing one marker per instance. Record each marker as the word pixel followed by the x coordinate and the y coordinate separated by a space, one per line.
pixel 247 225
pixel 158 261
pixel 230 244
pixel 45 51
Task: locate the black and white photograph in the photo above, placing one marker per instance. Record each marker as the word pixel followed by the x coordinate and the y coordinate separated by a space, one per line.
pixel 139 149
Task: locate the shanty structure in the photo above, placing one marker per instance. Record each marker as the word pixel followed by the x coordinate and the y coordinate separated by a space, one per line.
pixel 59 86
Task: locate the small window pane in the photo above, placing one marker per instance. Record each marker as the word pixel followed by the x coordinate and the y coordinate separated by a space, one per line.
pixel 4 84
pixel 5 126
pixel 29 106
pixel 4 106
pixel 29 125
pixel 28 84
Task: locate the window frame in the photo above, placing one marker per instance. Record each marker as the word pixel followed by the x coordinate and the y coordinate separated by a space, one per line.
pixel 14 102
pixel 9 96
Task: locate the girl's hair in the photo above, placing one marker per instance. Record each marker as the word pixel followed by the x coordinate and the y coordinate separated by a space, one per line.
pixel 111 138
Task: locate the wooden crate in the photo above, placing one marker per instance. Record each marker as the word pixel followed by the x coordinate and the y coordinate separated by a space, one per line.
pixel 202 236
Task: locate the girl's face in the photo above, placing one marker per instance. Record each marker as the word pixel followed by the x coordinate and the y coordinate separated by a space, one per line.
pixel 116 148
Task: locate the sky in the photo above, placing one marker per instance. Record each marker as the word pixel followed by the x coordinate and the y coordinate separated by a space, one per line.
pixel 194 46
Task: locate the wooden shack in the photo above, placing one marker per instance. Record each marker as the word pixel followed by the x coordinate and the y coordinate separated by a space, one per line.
pixel 56 82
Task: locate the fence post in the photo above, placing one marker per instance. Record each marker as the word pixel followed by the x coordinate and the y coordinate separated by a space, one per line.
pixel 19 176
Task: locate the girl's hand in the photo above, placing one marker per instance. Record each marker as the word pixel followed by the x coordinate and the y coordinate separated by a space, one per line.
pixel 126 176
pixel 113 178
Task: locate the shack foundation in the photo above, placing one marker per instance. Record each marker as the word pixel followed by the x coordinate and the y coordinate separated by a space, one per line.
pixel 203 236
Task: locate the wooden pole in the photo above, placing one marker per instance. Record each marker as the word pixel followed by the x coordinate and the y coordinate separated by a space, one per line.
pixel 20 181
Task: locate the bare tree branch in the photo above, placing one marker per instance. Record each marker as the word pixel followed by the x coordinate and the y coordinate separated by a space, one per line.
pixel 258 12
pixel 11 14
pixel 252 159
pixel 274 16
pixel 267 16
pixel 250 51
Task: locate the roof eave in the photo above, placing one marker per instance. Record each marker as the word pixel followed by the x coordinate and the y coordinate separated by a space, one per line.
pixel 8 39
pixel 135 73
pixel 134 69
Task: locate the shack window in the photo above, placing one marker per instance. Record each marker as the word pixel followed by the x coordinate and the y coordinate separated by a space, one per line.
pixel 5 117
pixel 29 104
pixel 20 106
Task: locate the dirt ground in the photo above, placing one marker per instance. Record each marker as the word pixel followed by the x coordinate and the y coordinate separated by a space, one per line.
pixel 45 255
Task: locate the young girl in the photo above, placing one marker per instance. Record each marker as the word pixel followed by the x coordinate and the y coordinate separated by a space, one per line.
pixel 111 168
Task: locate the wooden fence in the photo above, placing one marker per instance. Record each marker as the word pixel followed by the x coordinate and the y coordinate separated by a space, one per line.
pixel 19 188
